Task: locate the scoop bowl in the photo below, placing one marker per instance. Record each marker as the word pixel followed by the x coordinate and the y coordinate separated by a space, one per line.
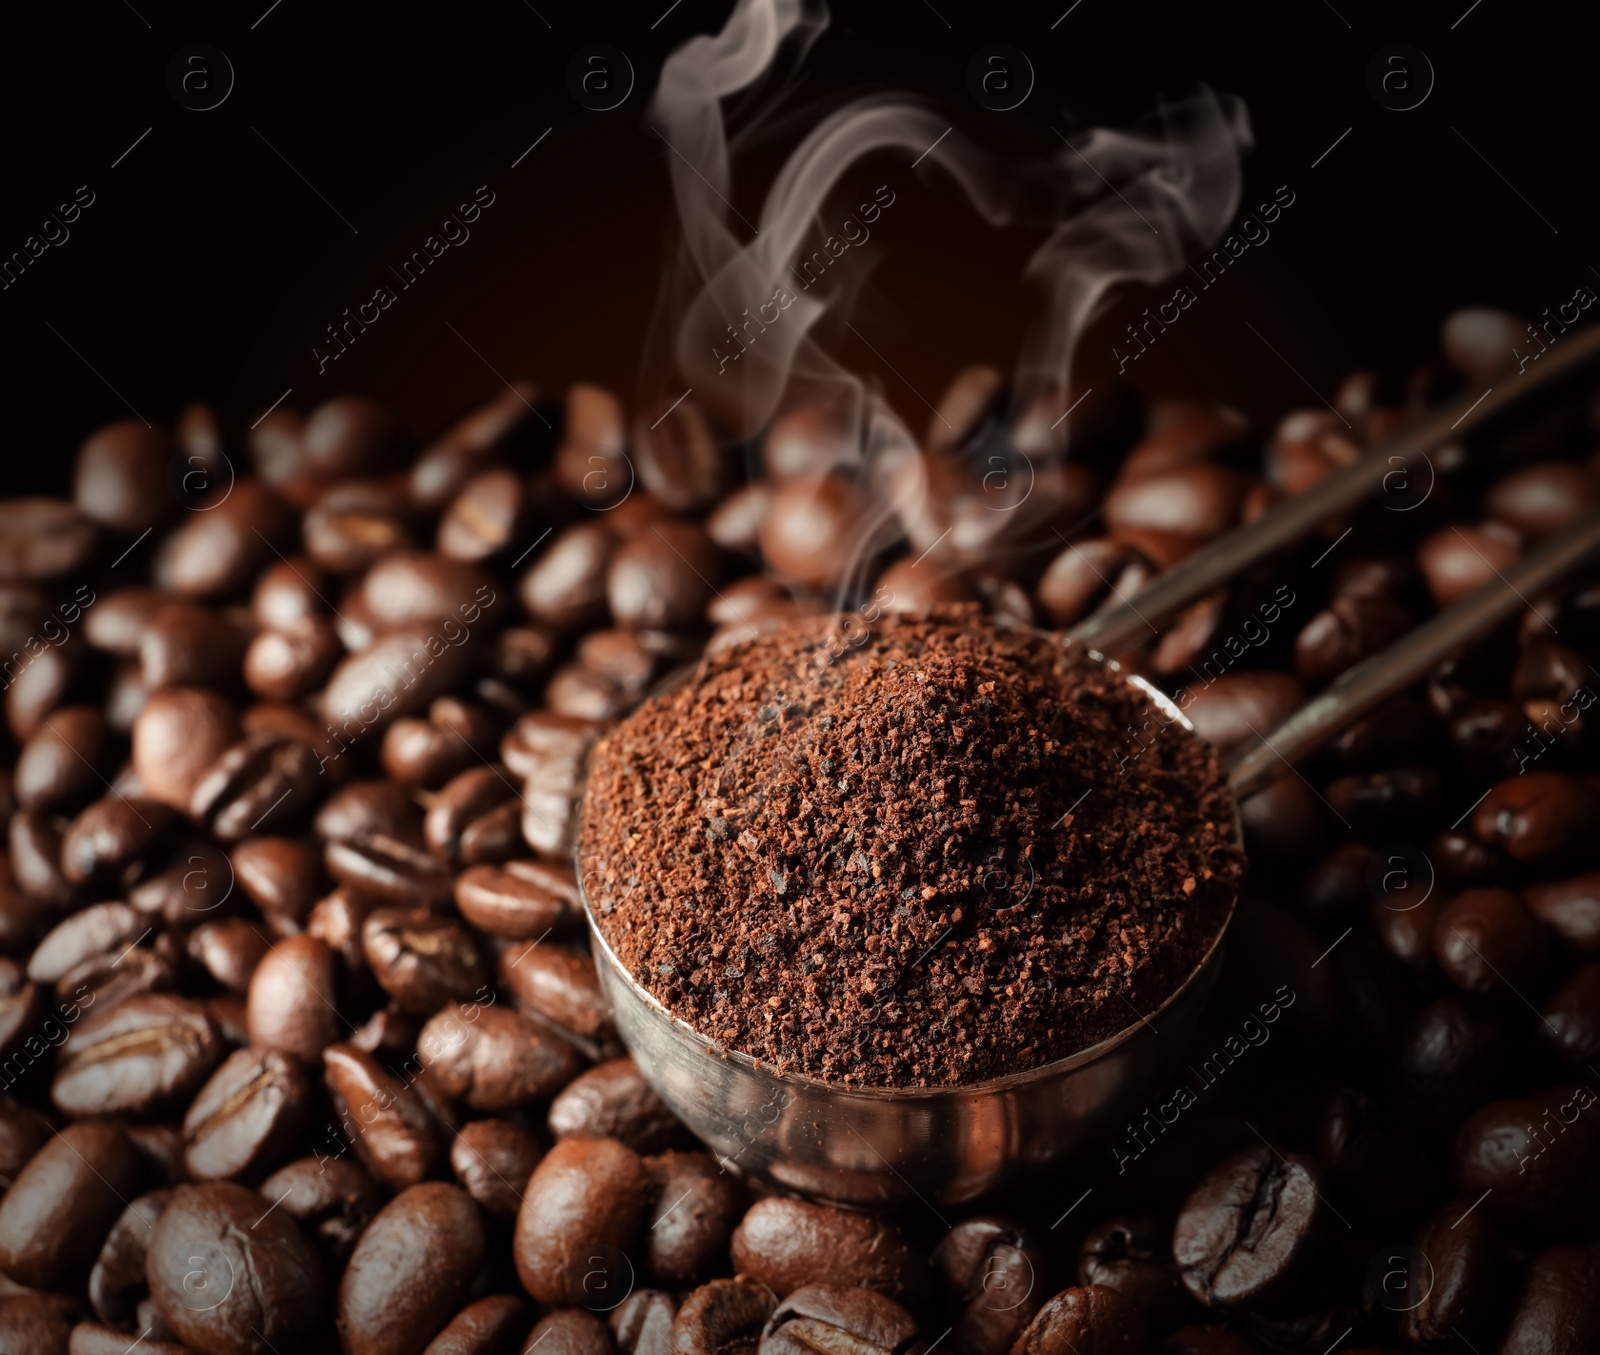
pixel 885 1146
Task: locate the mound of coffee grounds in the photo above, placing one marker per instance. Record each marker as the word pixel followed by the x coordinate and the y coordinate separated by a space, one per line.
pixel 915 856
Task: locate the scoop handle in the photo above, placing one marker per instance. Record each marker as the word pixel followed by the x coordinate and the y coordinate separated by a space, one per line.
pixel 1121 627
pixel 1374 680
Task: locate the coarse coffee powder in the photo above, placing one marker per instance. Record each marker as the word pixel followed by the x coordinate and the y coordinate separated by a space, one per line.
pixel 918 854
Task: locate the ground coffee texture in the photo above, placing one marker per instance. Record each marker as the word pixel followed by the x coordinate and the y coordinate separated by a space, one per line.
pixel 912 854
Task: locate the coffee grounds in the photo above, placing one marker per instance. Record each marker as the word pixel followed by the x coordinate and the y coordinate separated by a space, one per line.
pixel 922 856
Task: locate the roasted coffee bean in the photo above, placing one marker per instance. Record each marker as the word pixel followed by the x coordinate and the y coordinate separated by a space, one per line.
pixel 1454 1290
pixel 1397 732
pixel 642 1323
pixel 413 589
pixel 679 461
pixel 178 735
pixel 520 900
pixel 1457 560
pixel 735 523
pixel 283 665
pixel 356 524
pixel 1238 706
pixel 1462 862
pixel 117 1282
pixel 109 979
pixel 99 929
pixel 429 752
pixel 220 548
pixel 1249 1228
pixel 494 1058
pixel 1350 629
pixel 410 1270
pixel 46 682
pixel 23 1008
pixel 37 1324
pixel 1484 731
pixel 186 645
pixel 724 1317
pixel 994 1271
pixel 35 841
pixel 1571 1024
pixel 581 691
pixel 118 620
pixel 1542 819
pixel 145 1054
pixel 490 1326
pixel 591 463
pixel 492 1159
pixel 908 590
pixel 1447 1061
pixel 1405 913
pixel 822 1317
pixel 487 432
pixel 1336 885
pixel 663 578
pixel 1194 502
pixel 569 1331
pixel 559 984
pixel 365 807
pixel 388 871
pixel 1092 1320
pixel 1086 575
pixel 336 920
pixel 247 1117
pixel 614 1100
pixel 812 529
pixel 1133 1255
pixel 565 587
pixel 89 1338
pixel 696 1207
pixel 492 511
pixel 473 819
pixel 422 960
pixel 22 1130
pixel 111 835
pixel 331 1198
pixel 1538 1154
pixel 61 768
pixel 789 1243
pixel 1537 501
pixel 230 1275
pixel 59 1209
pixel 1485 938
pixel 350 436
pixel 289 592
pixel 1557 1311
pixel 281 877
pixel 228 949
pixel 290 1004
pixel 390 1035
pixel 399 673
pixel 263 783
pixel 394 1126
pixel 122 477
pixel 1382 805
pixel 43 538
pixel 587 1198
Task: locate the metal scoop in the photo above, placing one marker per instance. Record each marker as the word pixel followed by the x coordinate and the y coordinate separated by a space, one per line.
pixel 946 1145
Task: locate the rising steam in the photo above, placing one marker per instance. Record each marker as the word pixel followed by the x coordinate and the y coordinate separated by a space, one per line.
pixel 1120 207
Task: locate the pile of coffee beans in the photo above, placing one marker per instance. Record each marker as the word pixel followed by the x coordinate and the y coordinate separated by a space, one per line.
pixel 301 1047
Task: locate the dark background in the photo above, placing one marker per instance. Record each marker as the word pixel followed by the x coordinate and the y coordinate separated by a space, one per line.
pixel 206 264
